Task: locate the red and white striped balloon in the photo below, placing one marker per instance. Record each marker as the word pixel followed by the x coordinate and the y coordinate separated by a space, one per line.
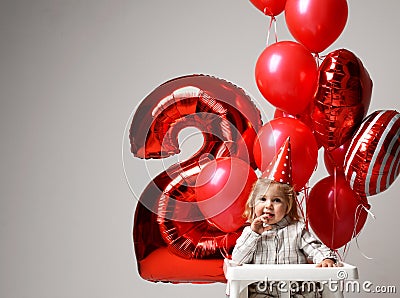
pixel 372 161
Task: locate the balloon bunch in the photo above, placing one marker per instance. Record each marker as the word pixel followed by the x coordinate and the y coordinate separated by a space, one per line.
pixel 325 106
pixel 189 216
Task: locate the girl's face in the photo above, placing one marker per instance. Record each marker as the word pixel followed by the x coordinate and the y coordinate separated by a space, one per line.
pixel 272 203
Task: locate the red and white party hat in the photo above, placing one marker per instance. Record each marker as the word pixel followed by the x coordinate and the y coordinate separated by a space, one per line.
pixel 280 168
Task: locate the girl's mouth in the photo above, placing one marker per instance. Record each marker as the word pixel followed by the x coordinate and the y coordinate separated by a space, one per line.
pixel 269 215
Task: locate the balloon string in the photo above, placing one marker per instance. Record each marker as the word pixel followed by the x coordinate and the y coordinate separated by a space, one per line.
pixel 303 204
pixel 272 21
pixel 361 252
pixel 334 203
pixel 354 232
pixel 300 204
pixel 345 252
pixel 335 192
pixel 223 248
pixel 330 157
pixel 336 251
pixel 319 59
pixel 357 215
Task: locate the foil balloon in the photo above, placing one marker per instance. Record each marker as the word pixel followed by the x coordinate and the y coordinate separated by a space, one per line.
pixel 270 7
pixel 168 215
pixel 334 159
pixel 316 23
pixel 154 257
pixel 342 100
pixel 335 212
pixel 373 159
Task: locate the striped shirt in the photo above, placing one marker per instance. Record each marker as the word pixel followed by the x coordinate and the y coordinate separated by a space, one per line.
pixel 288 242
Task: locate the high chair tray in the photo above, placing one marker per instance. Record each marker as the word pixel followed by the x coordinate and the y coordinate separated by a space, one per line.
pixel 239 277
pixel 305 272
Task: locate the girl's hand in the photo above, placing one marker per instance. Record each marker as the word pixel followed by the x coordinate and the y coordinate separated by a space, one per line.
pixel 327 263
pixel 258 224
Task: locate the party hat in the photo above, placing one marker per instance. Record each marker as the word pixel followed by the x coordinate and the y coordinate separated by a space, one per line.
pixel 280 168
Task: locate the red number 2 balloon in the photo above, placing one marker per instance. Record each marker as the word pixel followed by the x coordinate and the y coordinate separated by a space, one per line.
pixel 168 216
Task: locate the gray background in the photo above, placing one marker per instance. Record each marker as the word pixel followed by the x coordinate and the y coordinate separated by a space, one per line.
pixel 71 73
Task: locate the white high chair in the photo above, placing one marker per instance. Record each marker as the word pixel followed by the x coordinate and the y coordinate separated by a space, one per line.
pixel 239 277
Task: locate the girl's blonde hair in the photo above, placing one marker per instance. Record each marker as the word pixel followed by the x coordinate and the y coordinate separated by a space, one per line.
pixel 261 186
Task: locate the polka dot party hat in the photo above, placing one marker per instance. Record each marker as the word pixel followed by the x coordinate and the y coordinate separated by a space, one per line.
pixel 280 168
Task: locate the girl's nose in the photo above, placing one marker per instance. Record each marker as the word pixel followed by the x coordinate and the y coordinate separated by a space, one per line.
pixel 267 205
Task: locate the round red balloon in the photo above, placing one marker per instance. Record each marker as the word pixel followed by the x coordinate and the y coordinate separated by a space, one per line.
pixel 336 213
pixel 304 117
pixel 286 75
pixel 270 7
pixel 342 100
pixel 303 145
pixel 372 162
pixel 316 23
pixel 222 189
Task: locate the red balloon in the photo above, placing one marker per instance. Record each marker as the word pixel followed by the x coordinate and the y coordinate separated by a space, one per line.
pixel 335 212
pixel 316 23
pixel 304 117
pixel 162 265
pixel 342 100
pixel 222 189
pixel 219 108
pixel 168 214
pixel 335 158
pixel 303 145
pixel 270 7
pixel 372 162
pixel 154 256
pixel 286 75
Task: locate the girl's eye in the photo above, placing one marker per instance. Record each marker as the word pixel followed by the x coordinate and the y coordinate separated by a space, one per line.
pixel 262 199
pixel 277 200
